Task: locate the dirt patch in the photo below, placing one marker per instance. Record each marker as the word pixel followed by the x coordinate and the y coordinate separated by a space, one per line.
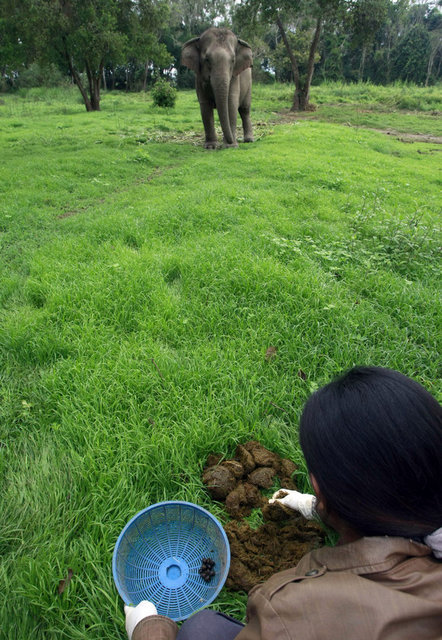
pixel 292 116
pixel 68 214
pixel 285 536
pixel 411 137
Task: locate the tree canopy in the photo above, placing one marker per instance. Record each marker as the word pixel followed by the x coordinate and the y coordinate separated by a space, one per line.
pixel 126 44
pixel 297 18
pixel 84 35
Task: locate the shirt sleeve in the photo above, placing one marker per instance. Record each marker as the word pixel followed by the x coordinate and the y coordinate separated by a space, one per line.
pixel 155 628
pixel 263 622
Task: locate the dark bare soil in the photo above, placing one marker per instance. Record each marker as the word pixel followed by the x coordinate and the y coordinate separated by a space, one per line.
pixel 286 536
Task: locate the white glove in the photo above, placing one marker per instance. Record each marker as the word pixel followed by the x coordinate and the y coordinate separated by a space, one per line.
pixel 303 502
pixel 135 614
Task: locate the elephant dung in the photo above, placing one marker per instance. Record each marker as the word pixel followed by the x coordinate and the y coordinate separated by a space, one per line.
pixel 245 458
pixel 244 498
pixel 262 477
pixel 262 456
pixel 234 467
pixel 259 553
pixel 219 481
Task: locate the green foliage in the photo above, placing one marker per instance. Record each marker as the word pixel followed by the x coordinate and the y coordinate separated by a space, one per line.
pixel 359 40
pixel 295 21
pixel 367 17
pixel 411 55
pixel 130 43
pixel 405 246
pixel 397 41
pixel 300 45
pixel 164 94
pixel 37 75
pixel 399 95
pixel 142 280
pixel 83 35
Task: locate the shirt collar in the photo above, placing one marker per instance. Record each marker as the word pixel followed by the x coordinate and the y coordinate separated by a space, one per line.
pixel 368 555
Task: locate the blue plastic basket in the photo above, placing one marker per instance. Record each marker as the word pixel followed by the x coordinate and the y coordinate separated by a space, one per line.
pixel 158 555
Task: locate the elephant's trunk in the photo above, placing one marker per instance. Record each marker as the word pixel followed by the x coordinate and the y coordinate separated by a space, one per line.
pixel 221 92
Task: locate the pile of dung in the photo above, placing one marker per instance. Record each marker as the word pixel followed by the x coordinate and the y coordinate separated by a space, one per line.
pixel 286 536
pixel 238 482
pixel 257 555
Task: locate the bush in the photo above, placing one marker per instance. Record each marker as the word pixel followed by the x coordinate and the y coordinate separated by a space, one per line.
pixel 163 94
pixel 37 75
pixel 262 76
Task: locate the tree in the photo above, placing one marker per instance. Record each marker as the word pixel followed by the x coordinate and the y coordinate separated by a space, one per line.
pixel 368 16
pixel 142 28
pixel 285 15
pixel 332 46
pixel 84 34
pixel 434 24
pixel 412 54
pixel 188 19
pixel 300 46
pixel 194 16
pixel 12 52
pixel 387 39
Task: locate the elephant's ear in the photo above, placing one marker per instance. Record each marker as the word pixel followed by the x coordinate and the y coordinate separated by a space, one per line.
pixel 243 58
pixel 190 55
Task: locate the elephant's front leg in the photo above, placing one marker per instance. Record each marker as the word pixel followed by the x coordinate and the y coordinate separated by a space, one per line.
pixel 233 112
pixel 209 124
pixel 233 109
pixel 244 112
pixel 244 104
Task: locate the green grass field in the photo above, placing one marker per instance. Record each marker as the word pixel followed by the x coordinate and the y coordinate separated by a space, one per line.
pixel 142 279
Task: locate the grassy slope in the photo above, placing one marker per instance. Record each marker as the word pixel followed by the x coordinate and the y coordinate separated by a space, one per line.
pixel 142 279
pixel 398 107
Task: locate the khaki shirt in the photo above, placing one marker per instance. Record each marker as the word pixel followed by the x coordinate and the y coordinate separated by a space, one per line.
pixel 376 588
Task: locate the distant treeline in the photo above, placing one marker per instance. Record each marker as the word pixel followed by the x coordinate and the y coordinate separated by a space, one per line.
pixel 115 44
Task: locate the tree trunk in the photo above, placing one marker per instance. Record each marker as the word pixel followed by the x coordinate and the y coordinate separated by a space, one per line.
pixel 362 65
pixel 76 78
pixel 94 86
pixel 78 82
pixel 388 71
pixel 429 68
pixel 95 94
pixel 389 50
pixel 301 99
pixel 146 69
pixel 437 72
pixel 291 55
pixel 302 92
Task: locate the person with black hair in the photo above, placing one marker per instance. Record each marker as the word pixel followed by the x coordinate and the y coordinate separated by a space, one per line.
pixel 372 441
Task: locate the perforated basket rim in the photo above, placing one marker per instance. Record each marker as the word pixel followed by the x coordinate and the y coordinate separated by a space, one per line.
pixel 166 503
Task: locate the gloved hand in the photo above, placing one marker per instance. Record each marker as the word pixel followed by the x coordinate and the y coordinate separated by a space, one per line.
pixel 303 502
pixel 135 614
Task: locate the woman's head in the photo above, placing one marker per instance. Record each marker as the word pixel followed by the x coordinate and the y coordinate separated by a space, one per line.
pixel 373 441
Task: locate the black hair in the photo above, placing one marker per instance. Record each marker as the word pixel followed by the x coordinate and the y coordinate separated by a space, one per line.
pixel 373 440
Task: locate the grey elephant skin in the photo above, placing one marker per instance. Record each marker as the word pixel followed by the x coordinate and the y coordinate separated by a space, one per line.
pixel 221 63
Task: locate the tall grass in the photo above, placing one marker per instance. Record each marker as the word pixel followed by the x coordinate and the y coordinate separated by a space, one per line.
pixel 142 280
pixel 401 107
pixel 399 95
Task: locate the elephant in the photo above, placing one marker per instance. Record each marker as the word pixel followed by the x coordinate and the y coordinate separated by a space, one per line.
pixel 221 62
